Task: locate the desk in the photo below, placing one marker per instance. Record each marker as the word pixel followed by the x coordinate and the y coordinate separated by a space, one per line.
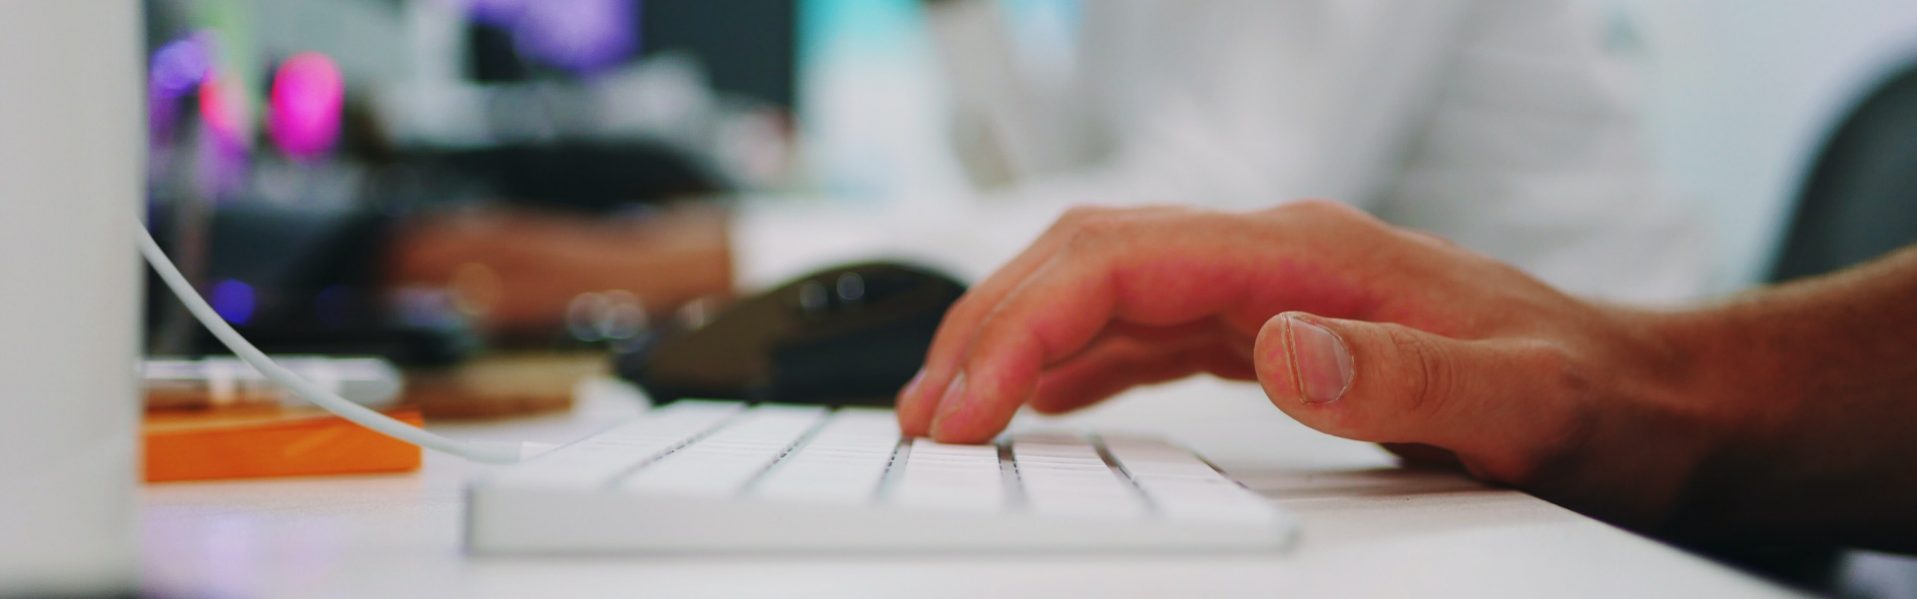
pixel 1367 530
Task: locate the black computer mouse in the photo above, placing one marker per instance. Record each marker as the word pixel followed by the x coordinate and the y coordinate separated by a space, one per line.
pixel 851 335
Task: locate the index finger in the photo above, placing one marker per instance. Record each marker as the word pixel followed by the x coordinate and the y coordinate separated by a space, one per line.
pixel 1163 270
pixel 919 399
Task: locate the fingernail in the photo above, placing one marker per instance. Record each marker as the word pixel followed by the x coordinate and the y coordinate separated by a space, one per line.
pixel 911 390
pixel 1319 360
pixel 950 402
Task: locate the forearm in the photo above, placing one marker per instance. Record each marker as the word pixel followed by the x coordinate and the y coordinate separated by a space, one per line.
pixel 531 266
pixel 1815 386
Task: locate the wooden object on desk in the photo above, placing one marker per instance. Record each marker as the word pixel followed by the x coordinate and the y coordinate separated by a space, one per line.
pixel 504 385
pixel 266 442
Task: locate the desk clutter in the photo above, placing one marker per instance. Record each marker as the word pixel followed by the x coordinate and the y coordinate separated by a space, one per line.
pixel 215 418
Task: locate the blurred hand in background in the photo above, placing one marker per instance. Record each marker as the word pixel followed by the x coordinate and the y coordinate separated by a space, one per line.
pixel 518 272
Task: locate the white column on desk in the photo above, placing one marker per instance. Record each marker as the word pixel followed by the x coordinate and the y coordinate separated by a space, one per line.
pixel 72 162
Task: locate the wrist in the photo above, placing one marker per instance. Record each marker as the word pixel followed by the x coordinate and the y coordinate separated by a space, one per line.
pixel 1713 374
pixel 1716 368
pixel 1653 419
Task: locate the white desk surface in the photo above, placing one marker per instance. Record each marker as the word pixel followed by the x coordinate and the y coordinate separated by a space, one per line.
pixel 1367 530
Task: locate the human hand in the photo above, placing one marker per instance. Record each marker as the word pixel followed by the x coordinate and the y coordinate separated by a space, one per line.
pixel 518 272
pixel 1351 326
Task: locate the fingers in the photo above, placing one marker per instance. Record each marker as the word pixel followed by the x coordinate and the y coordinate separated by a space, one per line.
pixel 1392 384
pixel 1119 362
pixel 918 400
pixel 1163 272
pixel 1054 314
pixel 1118 268
pixel 1099 372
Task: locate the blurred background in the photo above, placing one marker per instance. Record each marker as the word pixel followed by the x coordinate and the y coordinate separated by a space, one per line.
pixel 292 141
pixel 424 179
pixel 457 185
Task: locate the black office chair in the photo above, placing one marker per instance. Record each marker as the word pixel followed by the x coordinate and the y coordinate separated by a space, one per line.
pixel 1860 199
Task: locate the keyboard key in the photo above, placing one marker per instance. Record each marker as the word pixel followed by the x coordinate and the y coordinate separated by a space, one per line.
pixel 1063 474
pixel 721 463
pixel 596 460
pixel 841 464
pixel 956 477
pixel 1182 486
pixel 785 478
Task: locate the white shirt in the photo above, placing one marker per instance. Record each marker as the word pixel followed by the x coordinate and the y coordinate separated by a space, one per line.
pixel 1496 123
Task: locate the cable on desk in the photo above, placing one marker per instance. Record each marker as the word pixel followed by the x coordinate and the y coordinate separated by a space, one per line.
pixel 491 453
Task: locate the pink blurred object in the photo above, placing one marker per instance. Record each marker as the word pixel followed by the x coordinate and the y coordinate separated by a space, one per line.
pixel 304 111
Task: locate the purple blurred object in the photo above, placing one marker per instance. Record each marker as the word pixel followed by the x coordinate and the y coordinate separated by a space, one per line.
pixel 304 111
pixel 233 300
pixel 502 13
pixel 582 36
pixel 177 68
pixel 181 64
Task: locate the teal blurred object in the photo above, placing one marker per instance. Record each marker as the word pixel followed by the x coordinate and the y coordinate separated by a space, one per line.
pixel 1860 198
pixel 870 102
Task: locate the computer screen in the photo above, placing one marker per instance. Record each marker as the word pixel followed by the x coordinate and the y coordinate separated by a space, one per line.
pixel 288 137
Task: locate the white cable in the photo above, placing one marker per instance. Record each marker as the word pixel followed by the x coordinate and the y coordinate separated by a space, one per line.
pixel 493 453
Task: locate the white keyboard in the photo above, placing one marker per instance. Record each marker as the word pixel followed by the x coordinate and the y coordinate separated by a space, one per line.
pixel 720 476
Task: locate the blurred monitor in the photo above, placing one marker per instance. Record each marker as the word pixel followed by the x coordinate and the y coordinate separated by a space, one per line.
pixel 288 136
pixel 745 46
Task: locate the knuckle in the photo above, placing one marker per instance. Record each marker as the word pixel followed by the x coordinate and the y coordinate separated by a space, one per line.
pixel 1430 239
pixel 1009 330
pixel 1326 215
pixel 1077 211
pixel 1428 377
pixel 1557 424
pixel 1078 214
pixel 1319 208
pixel 1570 387
pixel 1095 231
pixel 964 314
pixel 1564 384
pixel 966 309
pixel 1566 375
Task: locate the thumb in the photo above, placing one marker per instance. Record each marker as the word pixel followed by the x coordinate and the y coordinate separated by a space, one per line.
pixel 1389 383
